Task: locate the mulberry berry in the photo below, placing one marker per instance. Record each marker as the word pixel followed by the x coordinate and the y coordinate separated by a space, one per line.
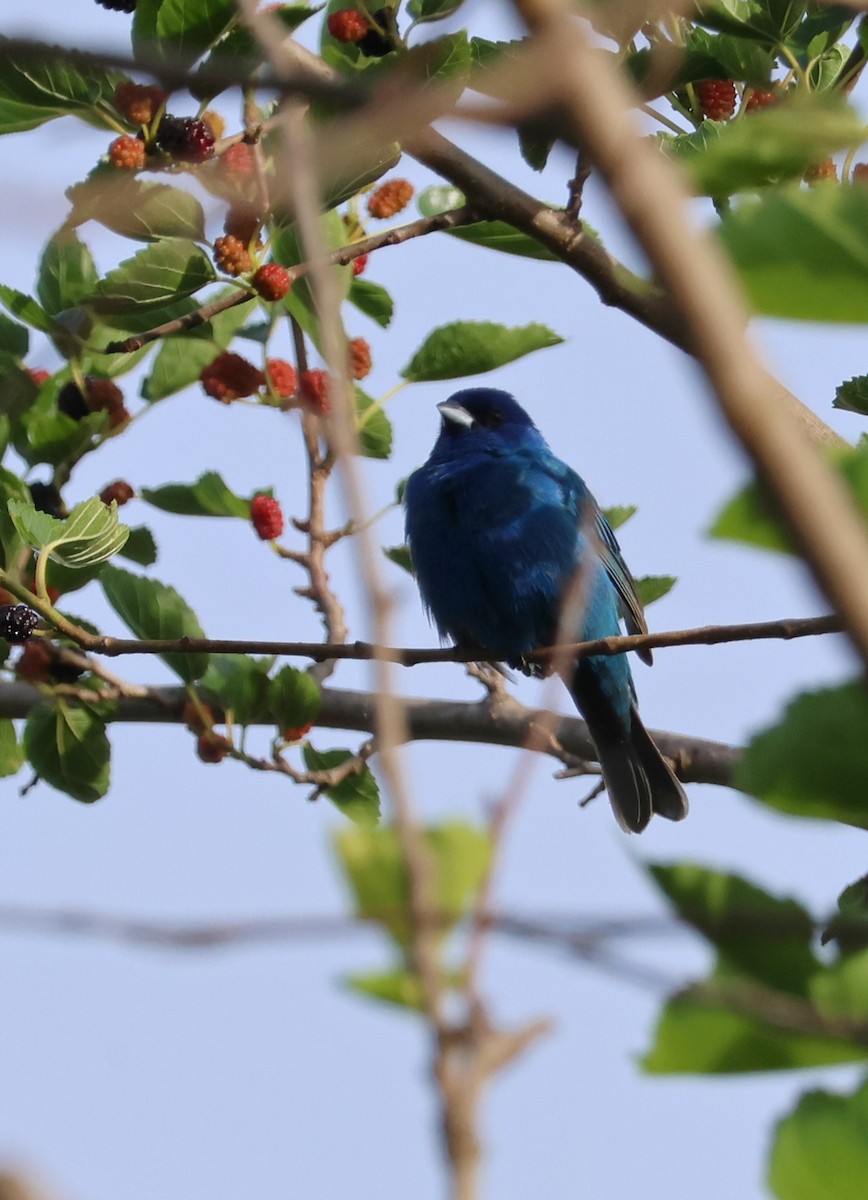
pixel 314 392
pixel 717 98
pixel 360 358
pixel 17 623
pixel 390 198
pixel 272 281
pixel 281 377
pixel 821 172
pixel 230 377
pixel 212 747
pixel 382 37
pixel 295 735
pixel 138 102
pixel 760 99
pixel 860 173
pixel 127 153
pixel 119 491
pixel 103 395
pixel 267 517
pixel 215 123
pixel 231 255
pixel 359 265
pixel 348 25
pixel 186 139
pixel 46 498
pixel 38 375
pixel 239 160
pixel 124 6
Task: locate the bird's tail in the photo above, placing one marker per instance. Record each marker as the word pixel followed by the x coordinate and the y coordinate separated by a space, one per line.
pixel 638 779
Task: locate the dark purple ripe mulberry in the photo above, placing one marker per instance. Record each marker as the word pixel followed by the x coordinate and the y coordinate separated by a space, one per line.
pixel 126 6
pixel 17 623
pixel 187 139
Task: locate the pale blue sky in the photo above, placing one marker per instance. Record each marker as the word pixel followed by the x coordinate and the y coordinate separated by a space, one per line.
pixel 133 1073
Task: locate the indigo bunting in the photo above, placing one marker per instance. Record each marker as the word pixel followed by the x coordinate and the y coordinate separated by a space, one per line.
pixel 499 531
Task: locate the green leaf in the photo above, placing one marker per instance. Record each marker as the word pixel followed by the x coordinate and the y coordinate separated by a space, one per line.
pixel 828 279
pixel 35 89
pixel 11 542
pixel 286 250
pixel 209 496
pixel 153 610
pixel 294 698
pixel 179 31
pixel 24 306
pixel 495 235
pixel 473 347
pixel 137 209
pixel 400 555
pixel 619 514
pixel 167 270
pixel 140 547
pixel 820 1151
pixel 14 338
pixel 373 300
pixel 749 517
pixel 765 937
pixel 853 395
pixel 695 1037
pixel 459 858
pixel 814 763
pixel 400 987
pixel 66 273
pixel 653 587
pixel 375 431
pixel 90 534
pixel 774 144
pixel 840 991
pixel 849 927
pixel 11 753
pixel 357 796
pixel 240 685
pixel 432 10
pixel 68 748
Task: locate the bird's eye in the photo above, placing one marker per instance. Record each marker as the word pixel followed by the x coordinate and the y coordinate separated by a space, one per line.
pixel 491 419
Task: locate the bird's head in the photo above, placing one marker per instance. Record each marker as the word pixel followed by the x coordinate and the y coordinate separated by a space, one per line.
pixel 484 419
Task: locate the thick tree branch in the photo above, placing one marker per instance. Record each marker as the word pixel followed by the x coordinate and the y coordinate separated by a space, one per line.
pixel 509 723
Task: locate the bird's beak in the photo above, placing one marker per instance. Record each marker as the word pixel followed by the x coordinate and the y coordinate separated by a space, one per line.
pixel 450 411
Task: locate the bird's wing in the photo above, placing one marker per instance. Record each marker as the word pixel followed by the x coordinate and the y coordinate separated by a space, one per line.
pixel 577 497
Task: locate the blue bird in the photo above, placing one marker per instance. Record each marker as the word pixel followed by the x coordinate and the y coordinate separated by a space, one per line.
pixel 499 530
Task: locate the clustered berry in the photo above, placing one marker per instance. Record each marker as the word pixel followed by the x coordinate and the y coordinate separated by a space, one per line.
pixel 127 153
pixel 100 395
pixel 17 623
pixel 717 98
pixel 272 281
pixel 360 358
pixel 348 25
pixel 266 516
pixel 281 377
pixel 119 491
pixel 38 375
pixel 231 255
pixel 860 173
pixel 242 222
pixel 760 99
pixel 125 6
pixel 359 265
pixel 139 102
pixel 390 198
pixel 821 172
pixel 43 662
pixel 186 139
pixel 212 747
pixel 382 36
pixel 314 392
pixel 46 498
pixel 230 377
pixel 197 717
pixel 239 160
